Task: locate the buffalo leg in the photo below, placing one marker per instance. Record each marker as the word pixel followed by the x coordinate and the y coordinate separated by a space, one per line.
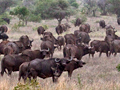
pixel 70 74
pixel 107 54
pixel 100 54
pixel 54 79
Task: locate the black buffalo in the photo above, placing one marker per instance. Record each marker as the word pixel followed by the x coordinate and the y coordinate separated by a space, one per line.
pixel 52 67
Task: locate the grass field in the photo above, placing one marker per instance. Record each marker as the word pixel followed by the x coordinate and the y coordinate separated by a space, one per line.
pixel 99 73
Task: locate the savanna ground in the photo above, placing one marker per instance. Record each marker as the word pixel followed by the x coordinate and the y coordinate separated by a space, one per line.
pixel 99 73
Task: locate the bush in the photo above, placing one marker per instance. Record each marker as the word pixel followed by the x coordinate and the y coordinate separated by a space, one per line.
pixel 75 4
pixel 118 67
pixel 35 18
pixel 72 21
pixel 82 17
pixel 33 85
pixel 45 26
pixel 4 15
pixel 15 27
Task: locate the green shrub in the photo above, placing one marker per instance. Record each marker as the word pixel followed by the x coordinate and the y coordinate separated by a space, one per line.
pixel 15 27
pixel 45 26
pixel 82 17
pixel 35 18
pixel 118 67
pixel 34 28
pixel 33 85
pixel 75 4
pixel 2 22
pixel 72 21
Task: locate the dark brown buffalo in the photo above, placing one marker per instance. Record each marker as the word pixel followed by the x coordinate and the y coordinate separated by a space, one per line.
pixel 85 28
pixel 76 33
pixel 118 20
pixel 102 23
pixel 12 62
pixel 85 38
pixel 3 29
pixel 73 51
pixel 59 29
pixel 67 26
pixel 33 54
pixel 52 67
pixel 15 47
pixel 2 45
pixel 48 45
pixel 115 47
pixel 49 36
pixel 110 30
pixel 100 46
pixel 6 20
pixel 70 39
pixel 72 66
pixel 26 41
pixel 60 41
pixel 78 22
pixel 40 30
pixel 62 27
pixel 23 71
pixel 4 36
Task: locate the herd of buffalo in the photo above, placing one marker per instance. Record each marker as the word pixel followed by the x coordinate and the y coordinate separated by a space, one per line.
pixel 18 55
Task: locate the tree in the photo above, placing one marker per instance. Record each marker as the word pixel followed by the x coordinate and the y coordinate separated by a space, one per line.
pixel 91 6
pixel 22 13
pixel 103 6
pixel 59 10
pixel 115 7
pixel 5 4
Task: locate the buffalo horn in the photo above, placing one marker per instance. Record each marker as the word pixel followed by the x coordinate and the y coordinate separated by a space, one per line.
pixel 45 50
pixel 56 60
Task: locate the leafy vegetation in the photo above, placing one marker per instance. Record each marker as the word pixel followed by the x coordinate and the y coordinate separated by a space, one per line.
pixel 22 13
pixel 118 67
pixel 33 85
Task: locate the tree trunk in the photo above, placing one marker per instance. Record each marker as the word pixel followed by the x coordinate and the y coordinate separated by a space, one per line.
pixel 59 22
pixel 104 12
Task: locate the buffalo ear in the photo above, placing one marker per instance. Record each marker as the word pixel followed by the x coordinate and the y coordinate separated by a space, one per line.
pixel 53 69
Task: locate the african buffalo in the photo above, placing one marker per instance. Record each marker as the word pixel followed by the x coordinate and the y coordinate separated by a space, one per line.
pixel 115 47
pixel 100 46
pixel 78 22
pixel 4 36
pixel 3 29
pixel 102 23
pixel 40 30
pixel 49 36
pixel 48 45
pixel 85 38
pixel 33 54
pixel 15 47
pixel 118 20
pixel 23 71
pixel 85 28
pixel 70 39
pixel 12 63
pixel 60 41
pixel 77 51
pixel 52 67
pixel 72 66
pixel 6 20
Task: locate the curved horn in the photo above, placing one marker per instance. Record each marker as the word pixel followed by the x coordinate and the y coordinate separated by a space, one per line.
pixel 45 50
pixel 56 60
pixel 71 58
